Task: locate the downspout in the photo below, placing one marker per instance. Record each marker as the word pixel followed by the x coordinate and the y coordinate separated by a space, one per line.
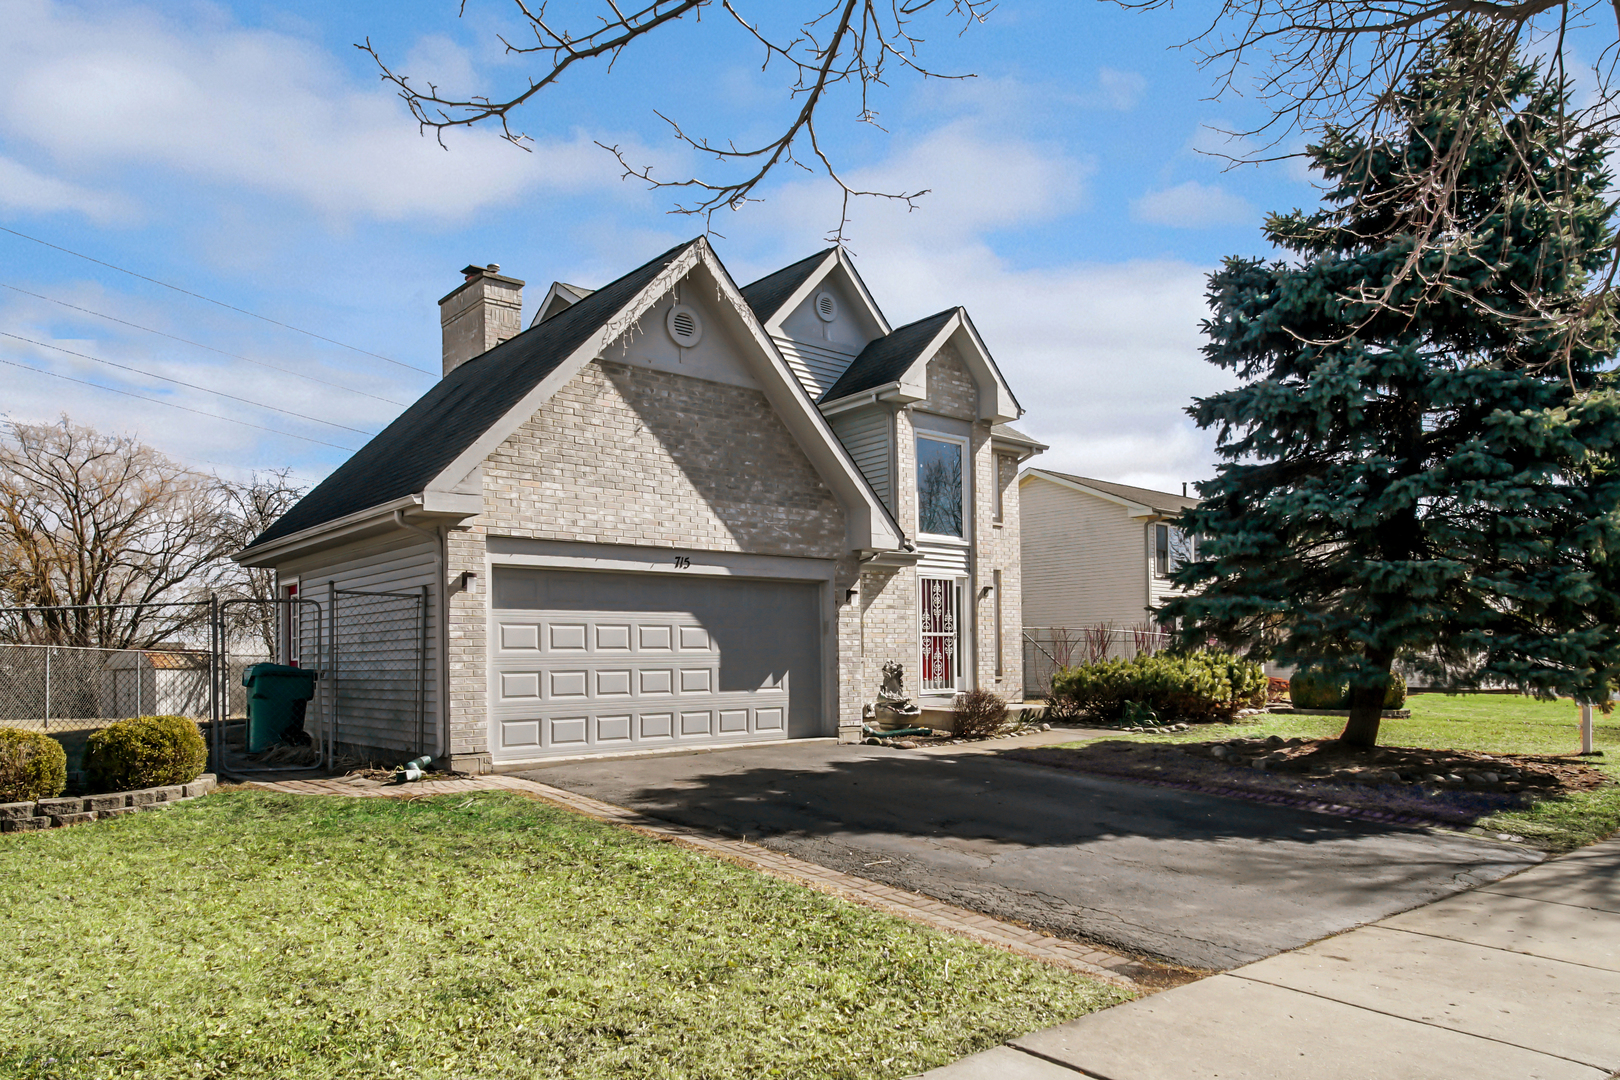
pixel 441 560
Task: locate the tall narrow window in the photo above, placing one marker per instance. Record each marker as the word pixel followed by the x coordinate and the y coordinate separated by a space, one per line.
pixel 995 584
pixel 1001 488
pixel 1161 550
pixel 939 487
pixel 939 603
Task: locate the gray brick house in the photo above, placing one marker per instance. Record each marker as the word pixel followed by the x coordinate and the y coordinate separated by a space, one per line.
pixel 674 512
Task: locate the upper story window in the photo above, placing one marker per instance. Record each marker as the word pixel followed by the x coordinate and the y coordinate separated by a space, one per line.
pixel 940 498
pixel 1172 548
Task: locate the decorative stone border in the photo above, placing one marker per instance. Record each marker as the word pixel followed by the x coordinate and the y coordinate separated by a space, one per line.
pixel 54 813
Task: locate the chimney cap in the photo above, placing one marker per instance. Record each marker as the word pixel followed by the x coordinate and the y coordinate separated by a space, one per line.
pixel 472 270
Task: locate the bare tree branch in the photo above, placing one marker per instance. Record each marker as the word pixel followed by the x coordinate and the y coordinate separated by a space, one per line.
pixel 847 44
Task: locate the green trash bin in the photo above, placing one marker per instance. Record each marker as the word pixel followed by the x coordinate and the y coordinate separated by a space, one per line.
pixel 277 697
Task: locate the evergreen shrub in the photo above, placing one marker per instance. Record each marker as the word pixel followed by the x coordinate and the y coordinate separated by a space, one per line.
pixel 32 766
pixel 1316 690
pixel 1198 687
pixel 147 751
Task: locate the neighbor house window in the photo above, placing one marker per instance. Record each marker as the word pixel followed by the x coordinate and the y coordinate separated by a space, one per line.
pixel 939 487
pixel 1172 549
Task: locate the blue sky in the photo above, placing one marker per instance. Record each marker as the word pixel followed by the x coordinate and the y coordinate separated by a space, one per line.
pixel 249 153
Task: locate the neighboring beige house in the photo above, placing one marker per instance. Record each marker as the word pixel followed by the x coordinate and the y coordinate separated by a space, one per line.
pixel 674 512
pixel 1094 552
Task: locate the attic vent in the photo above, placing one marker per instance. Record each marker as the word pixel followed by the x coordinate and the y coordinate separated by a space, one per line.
pixel 826 306
pixel 684 326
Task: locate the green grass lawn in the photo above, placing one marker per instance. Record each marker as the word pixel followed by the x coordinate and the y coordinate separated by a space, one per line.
pixel 1492 723
pixel 252 934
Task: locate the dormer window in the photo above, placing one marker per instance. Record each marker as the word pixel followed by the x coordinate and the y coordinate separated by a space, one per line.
pixel 940 500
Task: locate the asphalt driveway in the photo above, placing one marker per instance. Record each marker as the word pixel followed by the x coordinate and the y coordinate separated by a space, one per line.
pixel 1198 880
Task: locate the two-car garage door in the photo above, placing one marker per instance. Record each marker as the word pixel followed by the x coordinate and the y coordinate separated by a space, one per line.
pixel 585 662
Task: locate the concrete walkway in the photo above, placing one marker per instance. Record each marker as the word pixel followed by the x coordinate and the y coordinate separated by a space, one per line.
pixel 1516 980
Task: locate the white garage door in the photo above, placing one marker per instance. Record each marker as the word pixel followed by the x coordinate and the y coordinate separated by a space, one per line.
pixel 584 662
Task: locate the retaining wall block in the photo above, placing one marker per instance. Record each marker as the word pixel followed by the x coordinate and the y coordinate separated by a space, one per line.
pixel 102 803
pixel 144 797
pixel 12 810
pixel 121 811
pixel 200 786
pixel 52 807
pixel 79 818
pixel 169 793
pixel 156 806
pixel 24 824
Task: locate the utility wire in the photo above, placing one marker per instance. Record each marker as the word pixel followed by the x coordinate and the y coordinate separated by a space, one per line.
pixel 170 404
pixel 220 303
pixel 198 344
pixel 180 382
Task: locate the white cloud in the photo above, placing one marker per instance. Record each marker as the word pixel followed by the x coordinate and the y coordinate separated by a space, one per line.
pixel 25 190
pixel 256 110
pixel 1120 90
pixel 1192 206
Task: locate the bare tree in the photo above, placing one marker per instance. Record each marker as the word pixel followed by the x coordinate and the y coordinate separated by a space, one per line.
pixel 1334 70
pixel 246 510
pixel 821 48
pixel 108 532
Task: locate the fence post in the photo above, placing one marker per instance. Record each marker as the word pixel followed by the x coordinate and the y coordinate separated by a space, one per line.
pixel 47 688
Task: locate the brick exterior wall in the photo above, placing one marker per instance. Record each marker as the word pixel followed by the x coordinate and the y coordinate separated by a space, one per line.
pixel 631 455
pixel 1002 550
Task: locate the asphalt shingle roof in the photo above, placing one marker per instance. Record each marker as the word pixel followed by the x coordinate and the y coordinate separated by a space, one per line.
pixel 1162 501
pixel 401 459
pixel 767 295
pixel 887 358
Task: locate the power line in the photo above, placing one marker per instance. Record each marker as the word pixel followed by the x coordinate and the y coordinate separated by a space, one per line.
pixel 220 303
pixel 172 405
pixel 198 344
pixel 181 382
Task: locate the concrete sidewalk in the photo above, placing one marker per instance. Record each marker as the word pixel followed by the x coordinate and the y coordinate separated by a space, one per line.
pixel 1517 980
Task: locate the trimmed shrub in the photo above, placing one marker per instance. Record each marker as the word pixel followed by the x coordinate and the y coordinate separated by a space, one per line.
pixel 1198 687
pixel 1395 696
pixel 978 714
pixel 1317 690
pixel 32 766
pixel 147 751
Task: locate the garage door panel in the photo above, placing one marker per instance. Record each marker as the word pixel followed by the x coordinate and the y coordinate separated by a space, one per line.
pixel 691 660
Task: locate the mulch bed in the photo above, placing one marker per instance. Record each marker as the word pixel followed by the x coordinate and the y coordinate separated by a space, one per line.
pixel 1447 787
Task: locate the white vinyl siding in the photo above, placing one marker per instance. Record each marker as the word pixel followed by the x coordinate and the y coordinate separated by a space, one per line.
pixel 379 714
pixel 817 366
pixel 868 435
pixel 1085 560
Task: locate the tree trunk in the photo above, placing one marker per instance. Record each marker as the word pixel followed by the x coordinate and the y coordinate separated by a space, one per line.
pixel 1367 708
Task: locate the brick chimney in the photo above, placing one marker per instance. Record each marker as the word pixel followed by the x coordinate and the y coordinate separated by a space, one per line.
pixel 485 311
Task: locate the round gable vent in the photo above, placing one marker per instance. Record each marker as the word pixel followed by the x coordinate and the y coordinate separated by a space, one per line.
pixel 684 326
pixel 826 306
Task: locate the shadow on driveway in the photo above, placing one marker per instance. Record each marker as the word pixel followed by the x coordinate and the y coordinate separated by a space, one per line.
pixel 1194 879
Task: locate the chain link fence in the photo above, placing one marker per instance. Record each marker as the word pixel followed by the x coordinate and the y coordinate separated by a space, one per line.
pixel 1050 649
pixel 368 651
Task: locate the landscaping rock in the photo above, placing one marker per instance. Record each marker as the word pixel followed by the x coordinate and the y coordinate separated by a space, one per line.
pixel 14 810
pixel 169 793
pixel 102 803
pixel 24 824
pixel 80 818
pixel 52 807
pixel 144 797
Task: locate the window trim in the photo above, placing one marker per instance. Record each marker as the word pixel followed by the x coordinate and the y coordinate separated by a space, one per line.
pixel 1161 550
pixel 963 449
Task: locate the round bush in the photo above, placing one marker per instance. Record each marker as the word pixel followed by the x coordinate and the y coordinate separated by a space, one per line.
pixel 148 751
pixel 1395 696
pixel 978 714
pixel 32 766
pixel 1315 690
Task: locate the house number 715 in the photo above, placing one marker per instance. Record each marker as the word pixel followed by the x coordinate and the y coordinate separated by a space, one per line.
pixel 682 562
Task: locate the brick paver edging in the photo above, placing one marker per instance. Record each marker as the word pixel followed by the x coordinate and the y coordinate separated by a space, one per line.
pixel 1298 802
pixel 1061 952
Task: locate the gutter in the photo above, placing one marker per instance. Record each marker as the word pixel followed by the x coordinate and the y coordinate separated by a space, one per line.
pixel 441 562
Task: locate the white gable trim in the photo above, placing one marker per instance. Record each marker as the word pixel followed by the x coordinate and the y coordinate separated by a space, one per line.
pixel 834 258
pixel 869 525
pixel 1134 509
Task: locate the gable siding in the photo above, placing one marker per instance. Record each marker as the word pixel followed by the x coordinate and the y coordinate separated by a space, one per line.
pixel 1083 559
pixel 816 367
pixel 868 435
